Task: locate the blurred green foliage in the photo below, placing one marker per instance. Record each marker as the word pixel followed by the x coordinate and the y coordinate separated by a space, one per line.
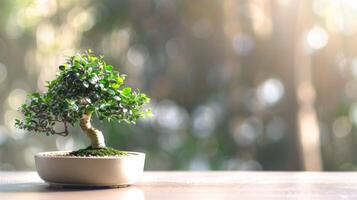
pixel 220 74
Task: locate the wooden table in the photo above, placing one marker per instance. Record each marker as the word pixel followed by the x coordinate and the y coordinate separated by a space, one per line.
pixel 193 185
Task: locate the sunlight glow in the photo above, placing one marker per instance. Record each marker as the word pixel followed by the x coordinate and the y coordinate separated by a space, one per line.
pixel 246 132
pixel 309 135
pixel 170 116
pixel 16 98
pixel 317 38
pixel 341 127
pixel 350 3
pixel 270 91
pixel 80 19
pixel 45 35
pixel 137 55
pixel 204 121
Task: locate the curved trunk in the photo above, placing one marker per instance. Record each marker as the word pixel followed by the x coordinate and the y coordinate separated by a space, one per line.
pixel 96 136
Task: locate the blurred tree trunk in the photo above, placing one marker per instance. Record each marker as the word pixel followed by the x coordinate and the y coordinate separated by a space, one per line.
pixel 280 59
pixel 308 126
pixel 284 22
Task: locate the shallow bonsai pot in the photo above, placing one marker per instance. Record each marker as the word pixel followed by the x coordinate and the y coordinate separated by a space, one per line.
pixel 59 169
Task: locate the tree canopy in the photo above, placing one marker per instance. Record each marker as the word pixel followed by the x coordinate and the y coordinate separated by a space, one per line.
pixel 84 85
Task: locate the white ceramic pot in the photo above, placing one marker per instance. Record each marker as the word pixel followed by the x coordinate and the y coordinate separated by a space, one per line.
pixel 56 168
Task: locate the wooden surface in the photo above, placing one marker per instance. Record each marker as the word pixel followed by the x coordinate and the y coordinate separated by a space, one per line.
pixel 193 185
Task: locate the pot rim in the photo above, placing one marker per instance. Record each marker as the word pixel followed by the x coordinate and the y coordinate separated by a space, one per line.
pixel 59 154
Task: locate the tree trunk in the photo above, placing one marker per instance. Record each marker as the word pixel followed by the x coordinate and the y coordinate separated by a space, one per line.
pixel 96 136
pixel 308 123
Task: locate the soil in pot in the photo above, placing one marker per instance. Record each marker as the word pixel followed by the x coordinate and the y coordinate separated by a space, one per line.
pixel 90 151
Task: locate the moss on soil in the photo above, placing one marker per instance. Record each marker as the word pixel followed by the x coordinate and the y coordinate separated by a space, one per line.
pixel 89 151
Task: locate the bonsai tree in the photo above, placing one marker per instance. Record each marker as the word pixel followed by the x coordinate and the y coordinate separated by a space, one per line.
pixel 85 86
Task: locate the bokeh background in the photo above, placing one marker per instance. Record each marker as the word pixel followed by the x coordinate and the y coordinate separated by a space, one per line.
pixel 235 84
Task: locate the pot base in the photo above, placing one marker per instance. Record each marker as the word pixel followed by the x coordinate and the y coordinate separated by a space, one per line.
pixel 72 185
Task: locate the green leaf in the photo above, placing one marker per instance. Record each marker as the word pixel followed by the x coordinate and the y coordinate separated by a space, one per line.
pixel 94 79
pixel 74 107
pixel 126 91
pixel 62 67
pixel 115 86
pixel 117 98
pixel 91 109
pixel 85 84
pixel 103 106
pixel 120 79
pixel 108 68
pixel 111 92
